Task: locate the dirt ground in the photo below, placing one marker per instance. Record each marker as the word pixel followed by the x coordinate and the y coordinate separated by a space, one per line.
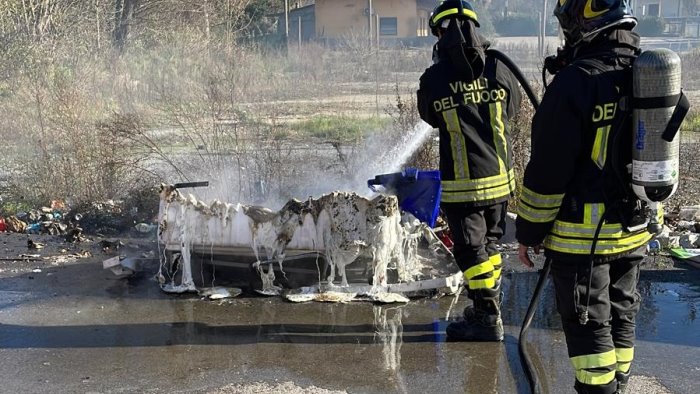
pixel 51 252
pixel 62 318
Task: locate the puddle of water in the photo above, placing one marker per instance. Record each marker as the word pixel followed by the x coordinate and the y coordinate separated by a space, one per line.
pixel 669 313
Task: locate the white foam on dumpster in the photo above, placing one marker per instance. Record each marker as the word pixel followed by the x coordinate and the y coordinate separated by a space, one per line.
pixel 343 226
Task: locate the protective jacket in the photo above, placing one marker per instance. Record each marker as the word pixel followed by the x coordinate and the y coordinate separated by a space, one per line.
pixel 581 143
pixel 472 116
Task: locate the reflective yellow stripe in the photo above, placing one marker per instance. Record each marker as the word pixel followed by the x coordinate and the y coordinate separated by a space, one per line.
pixel 594 377
pixel 600 146
pixel 478 195
pixel 603 246
pixel 537 215
pixel 623 367
pixel 487 283
pixel 499 137
pixel 624 355
pixel 497 261
pixel 588 12
pixel 541 200
pixel 452 11
pixel 595 360
pixel 478 183
pixel 457 143
pixel 582 230
pixel 592 213
pixel 479 269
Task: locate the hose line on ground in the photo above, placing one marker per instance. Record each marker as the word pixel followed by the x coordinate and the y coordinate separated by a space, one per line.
pixel 524 356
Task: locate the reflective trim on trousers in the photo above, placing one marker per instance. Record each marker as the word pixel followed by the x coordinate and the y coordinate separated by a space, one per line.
pixel 595 377
pixel 488 283
pixel 479 269
pixel 593 368
pixel 624 359
pixel 497 262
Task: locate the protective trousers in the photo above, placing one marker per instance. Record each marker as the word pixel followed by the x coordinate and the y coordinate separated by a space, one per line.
pixel 475 231
pixel 602 349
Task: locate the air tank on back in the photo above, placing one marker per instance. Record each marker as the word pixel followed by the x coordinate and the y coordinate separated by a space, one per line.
pixel 656 89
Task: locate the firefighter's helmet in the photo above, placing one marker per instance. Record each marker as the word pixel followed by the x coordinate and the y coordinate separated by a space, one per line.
pixel 580 19
pixel 448 9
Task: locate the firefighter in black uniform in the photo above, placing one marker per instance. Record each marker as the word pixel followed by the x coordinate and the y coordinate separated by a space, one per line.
pixel 575 200
pixel 470 98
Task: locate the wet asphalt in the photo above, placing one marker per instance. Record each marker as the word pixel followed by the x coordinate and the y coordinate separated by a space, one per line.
pixel 75 328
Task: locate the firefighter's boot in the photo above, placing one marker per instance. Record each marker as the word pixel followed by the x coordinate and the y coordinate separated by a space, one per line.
pixel 482 320
pixel 622 379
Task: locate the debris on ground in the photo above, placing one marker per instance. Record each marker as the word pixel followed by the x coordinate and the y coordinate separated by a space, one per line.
pixel 680 236
pixel 134 217
pixel 218 293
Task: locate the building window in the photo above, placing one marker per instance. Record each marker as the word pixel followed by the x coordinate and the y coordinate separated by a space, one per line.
pixel 387 26
pixel 653 10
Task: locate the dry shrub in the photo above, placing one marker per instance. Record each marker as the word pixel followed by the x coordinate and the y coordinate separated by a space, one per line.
pixel 520 129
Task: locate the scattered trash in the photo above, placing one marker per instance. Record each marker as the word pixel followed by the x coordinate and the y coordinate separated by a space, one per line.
pixel 688 256
pixel 114 264
pixel 654 248
pixel 34 245
pixel 389 298
pixel 146 228
pixel 110 245
pixel 308 294
pixel 15 225
pixel 33 228
pixel 36 270
pixel 334 296
pixel 300 297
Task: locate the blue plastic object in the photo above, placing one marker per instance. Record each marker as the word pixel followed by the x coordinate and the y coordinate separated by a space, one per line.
pixel 418 192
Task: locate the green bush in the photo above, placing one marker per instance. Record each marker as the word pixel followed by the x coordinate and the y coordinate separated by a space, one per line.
pixel 691 122
pixel 651 26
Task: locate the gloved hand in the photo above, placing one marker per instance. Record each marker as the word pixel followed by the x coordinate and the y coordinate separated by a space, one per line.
pixel 524 256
